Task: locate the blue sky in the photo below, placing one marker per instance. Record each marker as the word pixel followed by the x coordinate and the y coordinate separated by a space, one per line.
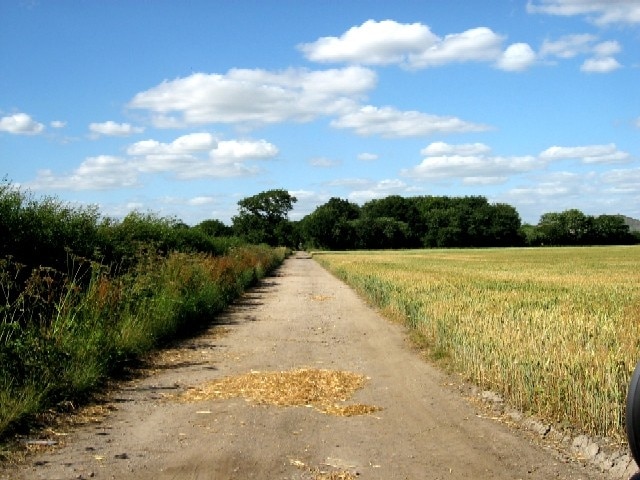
pixel 183 108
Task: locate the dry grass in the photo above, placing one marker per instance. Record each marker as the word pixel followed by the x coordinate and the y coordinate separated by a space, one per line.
pixel 322 389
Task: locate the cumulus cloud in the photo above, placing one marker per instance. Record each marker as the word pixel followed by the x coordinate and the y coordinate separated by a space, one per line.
pixel 58 124
pixel 600 65
pixel 372 43
pixel 415 46
pixel 255 97
pixel 103 172
pixel 392 123
pixel 601 12
pixel 472 168
pixel 201 155
pixel 606 49
pixel 516 58
pixel 230 151
pixel 20 124
pixel 568 46
pixel 191 156
pixel 201 200
pixel 185 144
pixel 603 62
pixel 472 163
pixel 477 44
pixel 380 189
pixel 113 129
pixel 613 191
pixel 587 154
pixel 467 149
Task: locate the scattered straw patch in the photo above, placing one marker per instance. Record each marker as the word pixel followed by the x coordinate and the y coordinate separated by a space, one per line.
pixel 351 410
pixel 319 388
pixel 319 474
pixel 320 298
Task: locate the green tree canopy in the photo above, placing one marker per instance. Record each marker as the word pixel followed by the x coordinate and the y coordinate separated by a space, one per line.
pixel 329 225
pixel 263 218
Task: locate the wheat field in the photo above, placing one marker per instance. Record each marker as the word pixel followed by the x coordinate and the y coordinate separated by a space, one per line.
pixel 555 331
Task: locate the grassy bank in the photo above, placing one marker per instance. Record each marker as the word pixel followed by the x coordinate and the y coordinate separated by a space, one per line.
pixel 554 330
pixel 62 334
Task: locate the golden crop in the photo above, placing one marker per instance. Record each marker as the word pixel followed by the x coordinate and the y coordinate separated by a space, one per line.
pixel 556 331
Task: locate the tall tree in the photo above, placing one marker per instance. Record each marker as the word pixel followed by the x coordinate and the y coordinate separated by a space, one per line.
pixel 263 218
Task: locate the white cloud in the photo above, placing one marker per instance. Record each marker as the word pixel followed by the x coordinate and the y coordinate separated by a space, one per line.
pixel 415 46
pixel 229 151
pixel 380 189
pixel 179 155
pixel 372 43
pixel 606 49
pixel 603 61
pixel 602 12
pixel 185 144
pixel 442 148
pixel 611 192
pixel 516 58
pixel 600 65
pixel 370 157
pixel 568 46
pixel 587 154
pixel 483 181
pixel 638 122
pixel 478 45
pixel 20 124
pixel 623 181
pixel 255 97
pixel 113 129
pixel 391 123
pixel 95 173
pixel 226 158
pixel 58 124
pixel 471 168
pixel 203 200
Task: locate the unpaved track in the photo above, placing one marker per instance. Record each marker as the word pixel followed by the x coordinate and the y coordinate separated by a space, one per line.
pixel 302 317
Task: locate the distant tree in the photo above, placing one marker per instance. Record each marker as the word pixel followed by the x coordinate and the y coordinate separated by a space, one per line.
pixel 612 230
pixel 401 209
pixel 215 228
pixel 263 218
pixel 571 227
pixel 329 225
pixel 504 225
pixel 380 233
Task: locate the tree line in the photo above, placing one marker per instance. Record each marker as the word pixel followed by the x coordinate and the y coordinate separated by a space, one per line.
pixel 44 231
pixel 397 222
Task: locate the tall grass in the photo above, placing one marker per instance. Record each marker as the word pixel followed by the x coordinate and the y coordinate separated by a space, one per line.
pixel 60 334
pixel 556 330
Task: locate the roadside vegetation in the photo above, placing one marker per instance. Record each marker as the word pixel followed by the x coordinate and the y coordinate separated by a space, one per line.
pixel 82 295
pixel 555 331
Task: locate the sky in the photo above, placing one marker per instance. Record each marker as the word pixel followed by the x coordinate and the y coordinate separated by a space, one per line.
pixel 183 108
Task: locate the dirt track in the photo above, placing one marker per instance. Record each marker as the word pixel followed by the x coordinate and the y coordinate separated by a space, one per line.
pixel 301 318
